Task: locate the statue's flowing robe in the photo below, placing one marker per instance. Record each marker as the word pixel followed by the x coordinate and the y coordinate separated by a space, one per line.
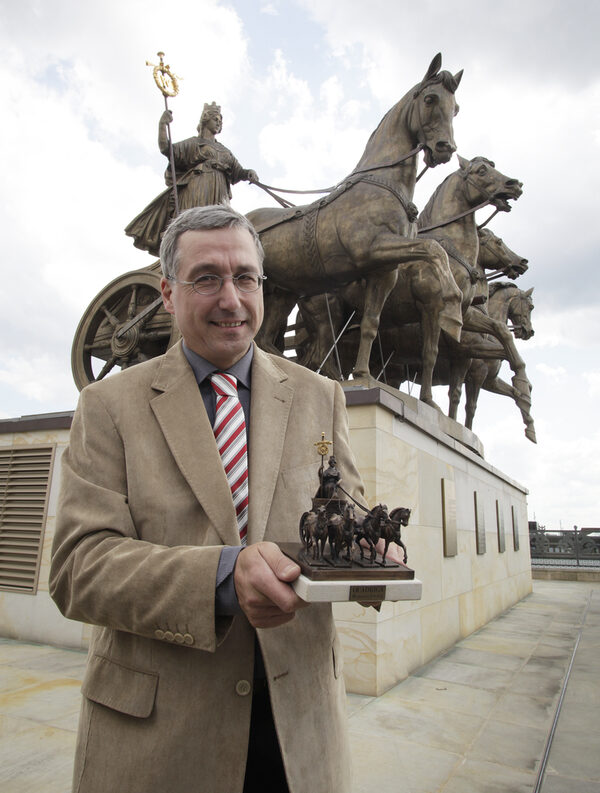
pixel 204 170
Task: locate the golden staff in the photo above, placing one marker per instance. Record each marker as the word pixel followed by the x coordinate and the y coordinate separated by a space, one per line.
pixel 168 85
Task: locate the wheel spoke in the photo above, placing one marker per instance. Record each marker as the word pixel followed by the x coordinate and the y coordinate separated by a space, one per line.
pixel 114 321
pixel 152 335
pixel 98 344
pixel 107 367
pixel 132 308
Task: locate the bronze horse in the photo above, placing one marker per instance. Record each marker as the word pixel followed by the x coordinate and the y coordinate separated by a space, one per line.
pixel 507 303
pixel 453 362
pixel 365 227
pixel 449 218
pixel 313 531
pixel 391 530
pixel 370 530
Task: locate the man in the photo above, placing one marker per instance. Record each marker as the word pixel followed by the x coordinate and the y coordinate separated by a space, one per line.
pixel 150 549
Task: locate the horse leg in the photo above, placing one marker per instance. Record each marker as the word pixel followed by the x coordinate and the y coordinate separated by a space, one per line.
pixel 373 550
pixel 379 286
pixel 430 327
pixel 278 306
pixel 458 373
pixel 474 380
pixel 479 322
pixel 385 550
pixel 315 316
pixel 498 386
pixel 403 546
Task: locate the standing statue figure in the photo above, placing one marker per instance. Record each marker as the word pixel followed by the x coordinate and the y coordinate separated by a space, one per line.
pixel 205 171
pixel 329 477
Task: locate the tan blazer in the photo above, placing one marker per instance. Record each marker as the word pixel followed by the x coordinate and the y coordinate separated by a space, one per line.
pixel 144 510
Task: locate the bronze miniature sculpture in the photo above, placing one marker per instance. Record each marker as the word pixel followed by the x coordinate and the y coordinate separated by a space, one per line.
pixel 334 538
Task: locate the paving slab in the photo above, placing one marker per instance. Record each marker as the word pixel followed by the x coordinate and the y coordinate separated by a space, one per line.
pixel 479 777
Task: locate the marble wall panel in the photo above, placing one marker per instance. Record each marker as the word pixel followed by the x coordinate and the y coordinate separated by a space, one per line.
pixel 440 627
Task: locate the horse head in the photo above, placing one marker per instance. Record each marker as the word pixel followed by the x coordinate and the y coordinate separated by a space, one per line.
pixel 511 304
pixel 484 182
pixel 422 118
pixel 494 254
pixel 519 313
pixel 432 110
pixel 400 515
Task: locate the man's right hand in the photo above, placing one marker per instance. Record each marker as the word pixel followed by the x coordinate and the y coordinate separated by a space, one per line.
pixel 167 117
pixel 262 579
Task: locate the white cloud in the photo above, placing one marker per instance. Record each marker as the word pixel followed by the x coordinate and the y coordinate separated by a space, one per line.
pixel 270 9
pixel 310 142
pixel 36 379
pixel 593 381
pixel 556 373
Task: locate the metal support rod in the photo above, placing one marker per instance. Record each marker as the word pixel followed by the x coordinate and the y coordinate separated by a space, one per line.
pixel 337 357
pixel 331 349
pixel 385 363
pixel 389 358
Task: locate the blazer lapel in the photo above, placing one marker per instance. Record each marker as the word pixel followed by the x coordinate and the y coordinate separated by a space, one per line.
pixel 180 412
pixel 271 402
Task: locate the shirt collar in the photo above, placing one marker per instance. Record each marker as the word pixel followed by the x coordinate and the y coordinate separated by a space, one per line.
pixel 203 369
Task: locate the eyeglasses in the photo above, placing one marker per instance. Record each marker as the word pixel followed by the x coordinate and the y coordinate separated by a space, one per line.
pixel 210 284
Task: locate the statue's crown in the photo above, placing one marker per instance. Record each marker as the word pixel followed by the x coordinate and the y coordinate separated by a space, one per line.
pixel 211 109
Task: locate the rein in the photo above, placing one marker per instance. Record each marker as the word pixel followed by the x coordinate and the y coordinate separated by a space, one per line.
pixel 366 509
pixel 287 204
pixel 455 217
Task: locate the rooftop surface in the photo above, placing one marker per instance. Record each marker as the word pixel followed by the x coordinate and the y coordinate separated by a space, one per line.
pixel 487 716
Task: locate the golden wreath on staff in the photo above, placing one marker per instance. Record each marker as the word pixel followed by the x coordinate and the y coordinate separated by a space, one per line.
pixel 164 78
pixel 323 445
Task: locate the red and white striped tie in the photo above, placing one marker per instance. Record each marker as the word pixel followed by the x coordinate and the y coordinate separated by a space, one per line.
pixel 230 435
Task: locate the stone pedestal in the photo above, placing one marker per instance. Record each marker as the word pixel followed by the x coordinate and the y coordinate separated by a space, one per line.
pixel 467 539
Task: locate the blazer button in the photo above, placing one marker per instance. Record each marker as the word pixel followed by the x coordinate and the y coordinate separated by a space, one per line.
pixel 178 638
pixel 243 688
pixel 159 634
pixel 188 638
pixel 169 636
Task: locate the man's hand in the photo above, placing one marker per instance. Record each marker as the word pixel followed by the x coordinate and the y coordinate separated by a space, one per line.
pixel 261 577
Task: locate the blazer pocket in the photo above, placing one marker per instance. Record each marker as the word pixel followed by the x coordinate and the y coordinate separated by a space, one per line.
pixel 304 477
pixel 121 688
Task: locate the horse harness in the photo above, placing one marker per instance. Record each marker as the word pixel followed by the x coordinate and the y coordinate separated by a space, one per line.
pixel 309 213
pixel 473 272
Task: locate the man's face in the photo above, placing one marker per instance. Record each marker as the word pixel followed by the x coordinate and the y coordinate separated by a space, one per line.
pixel 218 327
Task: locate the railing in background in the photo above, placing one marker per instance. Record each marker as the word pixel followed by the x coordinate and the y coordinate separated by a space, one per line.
pixel 569 548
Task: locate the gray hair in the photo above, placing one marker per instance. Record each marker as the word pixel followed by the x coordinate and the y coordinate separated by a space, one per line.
pixel 208 218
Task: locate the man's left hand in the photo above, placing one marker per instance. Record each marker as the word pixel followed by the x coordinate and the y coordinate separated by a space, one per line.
pixel 262 578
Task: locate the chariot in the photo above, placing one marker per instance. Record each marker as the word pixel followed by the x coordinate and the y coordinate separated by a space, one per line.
pixel 125 324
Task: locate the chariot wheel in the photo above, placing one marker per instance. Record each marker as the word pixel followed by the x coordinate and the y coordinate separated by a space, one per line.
pixel 125 324
pixel 302 529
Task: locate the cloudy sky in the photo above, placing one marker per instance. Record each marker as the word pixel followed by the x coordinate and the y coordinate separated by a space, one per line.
pixel 302 83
